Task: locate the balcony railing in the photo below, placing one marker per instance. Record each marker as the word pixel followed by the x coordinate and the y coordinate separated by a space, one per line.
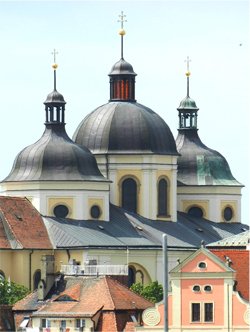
pixel 90 270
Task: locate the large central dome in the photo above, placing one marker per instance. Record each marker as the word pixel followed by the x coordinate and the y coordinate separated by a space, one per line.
pixel 125 127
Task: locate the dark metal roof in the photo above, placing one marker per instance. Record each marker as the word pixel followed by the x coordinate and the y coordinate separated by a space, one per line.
pixel 55 157
pixel 188 104
pixel 122 67
pixel 125 127
pixel 128 229
pixel 55 97
pixel 200 165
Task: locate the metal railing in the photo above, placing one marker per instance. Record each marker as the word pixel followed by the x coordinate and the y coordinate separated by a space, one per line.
pixel 90 270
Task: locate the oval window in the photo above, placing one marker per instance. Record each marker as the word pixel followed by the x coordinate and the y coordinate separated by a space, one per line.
pixel 61 211
pixel 95 211
pixel 207 288
pixel 195 211
pixel 228 213
pixel 196 288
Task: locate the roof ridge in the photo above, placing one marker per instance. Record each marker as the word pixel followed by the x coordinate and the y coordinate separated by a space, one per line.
pixel 9 231
pixel 109 292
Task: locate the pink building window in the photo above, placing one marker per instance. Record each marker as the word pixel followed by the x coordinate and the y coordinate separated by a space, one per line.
pixel 202 312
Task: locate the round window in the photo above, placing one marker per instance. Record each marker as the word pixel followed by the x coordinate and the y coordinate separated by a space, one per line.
pixel 195 211
pixel 61 211
pixel 196 288
pixel 202 265
pixel 228 213
pixel 95 211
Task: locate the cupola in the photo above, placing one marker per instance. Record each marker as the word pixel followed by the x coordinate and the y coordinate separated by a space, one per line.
pixel 122 75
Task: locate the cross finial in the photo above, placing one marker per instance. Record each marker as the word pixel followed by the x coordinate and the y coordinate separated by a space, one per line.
pixel 188 74
pixel 122 20
pixel 188 61
pixel 54 66
pixel 122 32
pixel 54 53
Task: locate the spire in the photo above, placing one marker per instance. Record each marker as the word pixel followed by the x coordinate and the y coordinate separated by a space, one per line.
pixel 122 32
pixel 122 75
pixel 187 109
pixel 55 103
pixel 54 66
pixel 188 74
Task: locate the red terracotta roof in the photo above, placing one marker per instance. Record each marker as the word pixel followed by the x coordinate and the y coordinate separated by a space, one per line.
pixel 21 225
pixel 123 298
pixel 240 263
pixel 85 296
pixel 73 292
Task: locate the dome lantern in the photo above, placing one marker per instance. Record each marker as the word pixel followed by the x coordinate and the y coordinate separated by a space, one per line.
pixel 55 103
pixel 122 75
pixel 188 109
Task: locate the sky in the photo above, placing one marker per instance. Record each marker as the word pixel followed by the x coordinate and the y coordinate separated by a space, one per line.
pixel 159 37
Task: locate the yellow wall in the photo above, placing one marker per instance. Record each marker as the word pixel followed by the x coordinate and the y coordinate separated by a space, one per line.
pixel 121 176
pixel 232 205
pixel 54 201
pixel 16 265
pixel 99 203
pixel 204 205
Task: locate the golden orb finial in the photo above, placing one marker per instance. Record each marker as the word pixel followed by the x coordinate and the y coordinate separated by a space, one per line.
pixel 122 32
pixel 188 73
pixel 55 66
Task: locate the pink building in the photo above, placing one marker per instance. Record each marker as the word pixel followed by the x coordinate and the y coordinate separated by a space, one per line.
pixel 209 292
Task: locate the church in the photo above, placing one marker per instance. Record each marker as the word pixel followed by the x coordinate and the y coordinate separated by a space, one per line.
pixel 105 197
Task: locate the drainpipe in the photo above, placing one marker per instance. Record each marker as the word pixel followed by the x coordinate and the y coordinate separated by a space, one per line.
pixel 30 261
pixel 68 253
pixel 165 281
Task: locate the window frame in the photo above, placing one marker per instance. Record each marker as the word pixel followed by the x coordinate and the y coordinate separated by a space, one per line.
pixel 202 313
pixel 122 196
pixel 165 202
pixel 196 291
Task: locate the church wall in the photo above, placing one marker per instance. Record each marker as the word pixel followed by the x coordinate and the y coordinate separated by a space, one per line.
pixel 20 265
pixel 146 171
pixel 150 260
pixel 78 197
pixel 212 202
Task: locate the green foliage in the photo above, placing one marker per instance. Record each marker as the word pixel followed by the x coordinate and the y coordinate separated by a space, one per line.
pixel 152 292
pixel 10 292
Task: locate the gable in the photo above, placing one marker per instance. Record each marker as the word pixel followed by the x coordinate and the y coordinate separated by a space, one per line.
pixel 211 265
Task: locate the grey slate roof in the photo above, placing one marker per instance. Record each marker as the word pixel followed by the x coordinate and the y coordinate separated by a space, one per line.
pixel 125 127
pixel 236 240
pixel 55 157
pixel 126 229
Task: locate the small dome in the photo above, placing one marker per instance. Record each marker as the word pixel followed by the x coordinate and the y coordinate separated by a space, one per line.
pixel 122 67
pixel 187 103
pixel 55 97
pixel 55 157
pixel 200 165
pixel 124 127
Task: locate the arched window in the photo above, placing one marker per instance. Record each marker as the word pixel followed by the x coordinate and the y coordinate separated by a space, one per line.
pixel 129 195
pixel 36 279
pixel 162 198
pixel 2 275
pixel 131 276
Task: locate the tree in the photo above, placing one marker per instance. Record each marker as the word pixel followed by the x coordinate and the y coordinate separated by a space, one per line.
pixel 152 292
pixel 10 292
